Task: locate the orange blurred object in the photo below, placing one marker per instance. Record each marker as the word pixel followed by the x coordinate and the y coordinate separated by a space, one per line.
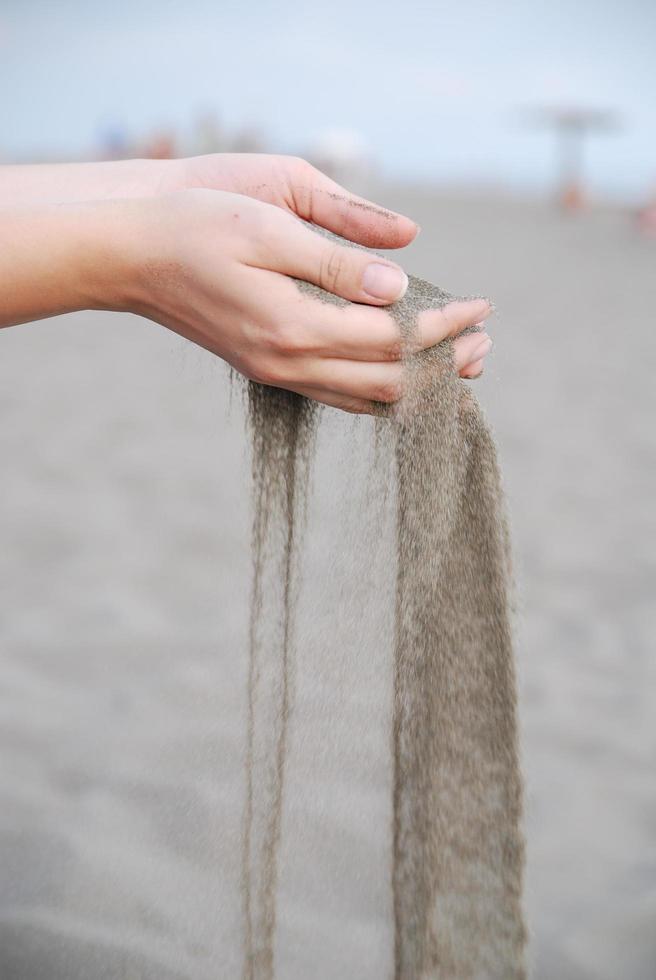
pixel 160 146
pixel 572 197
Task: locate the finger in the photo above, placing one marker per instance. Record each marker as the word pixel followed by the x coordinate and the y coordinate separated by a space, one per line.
pixel 470 349
pixel 381 381
pixel 452 319
pixel 474 370
pixel 294 249
pixel 374 381
pixel 434 326
pixel 356 406
pixel 360 332
pixel 321 200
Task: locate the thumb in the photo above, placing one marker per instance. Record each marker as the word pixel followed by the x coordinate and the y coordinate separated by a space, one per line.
pixel 317 198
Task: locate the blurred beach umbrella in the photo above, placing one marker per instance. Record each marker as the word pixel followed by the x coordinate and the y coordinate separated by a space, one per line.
pixel 572 125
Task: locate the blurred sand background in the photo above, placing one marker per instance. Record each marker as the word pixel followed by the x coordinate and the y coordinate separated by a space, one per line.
pixel 125 573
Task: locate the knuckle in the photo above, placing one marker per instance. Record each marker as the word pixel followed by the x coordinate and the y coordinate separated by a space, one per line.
pixel 356 407
pixel 394 350
pixel 286 338
pixel 332 268
pixel 302 179
pixel 285 332
pixel 299 166
pixel 252 370
pixel 268 218
pixel 388 391
pixel 264 367
pixel 269 371
pixel 262 226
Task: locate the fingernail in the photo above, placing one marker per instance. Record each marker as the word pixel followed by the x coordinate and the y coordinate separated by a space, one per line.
pixel 384 281
pixel 484 347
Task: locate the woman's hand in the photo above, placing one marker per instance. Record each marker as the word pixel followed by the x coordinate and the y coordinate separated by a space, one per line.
pixel 288 182
pixel 294 185
pixel 215 267
pixel 213 263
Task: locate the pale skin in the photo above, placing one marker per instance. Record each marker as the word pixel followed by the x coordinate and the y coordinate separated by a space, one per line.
pixel 206 247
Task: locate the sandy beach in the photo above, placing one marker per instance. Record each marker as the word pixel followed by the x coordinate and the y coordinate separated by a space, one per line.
pixel 125 571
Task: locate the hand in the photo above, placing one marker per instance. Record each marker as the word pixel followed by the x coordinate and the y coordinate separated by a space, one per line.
pixel 294 185
pixel 78 255
pixel 215 266
pixel 288 182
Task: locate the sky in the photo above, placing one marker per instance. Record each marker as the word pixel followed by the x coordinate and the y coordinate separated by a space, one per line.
pixel 435 91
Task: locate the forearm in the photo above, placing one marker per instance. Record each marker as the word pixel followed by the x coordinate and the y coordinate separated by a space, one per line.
pixel 67 182
pixel 61 258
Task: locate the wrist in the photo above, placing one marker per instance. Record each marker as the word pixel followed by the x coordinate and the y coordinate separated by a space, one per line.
pixel 139 178
pixel 60 258
pixel 31 184
pixel 106 252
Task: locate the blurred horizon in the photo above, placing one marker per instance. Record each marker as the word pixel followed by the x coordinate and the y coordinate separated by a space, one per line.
pixel 445 95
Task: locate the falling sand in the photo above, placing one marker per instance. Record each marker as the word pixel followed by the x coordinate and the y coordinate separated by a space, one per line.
pixel 457 860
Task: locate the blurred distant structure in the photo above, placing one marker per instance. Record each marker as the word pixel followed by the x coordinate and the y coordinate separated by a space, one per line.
pixel 209 136
pixel 646 218
pixel 343 154
pixel 572 126
pixel 114 142
pixel 161 145
pixel 248 139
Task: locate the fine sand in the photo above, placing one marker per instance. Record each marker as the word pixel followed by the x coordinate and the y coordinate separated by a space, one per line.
pixel 457 850
pixel 125 569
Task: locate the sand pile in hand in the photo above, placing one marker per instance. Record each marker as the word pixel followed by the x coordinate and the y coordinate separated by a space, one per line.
pixel 457 846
